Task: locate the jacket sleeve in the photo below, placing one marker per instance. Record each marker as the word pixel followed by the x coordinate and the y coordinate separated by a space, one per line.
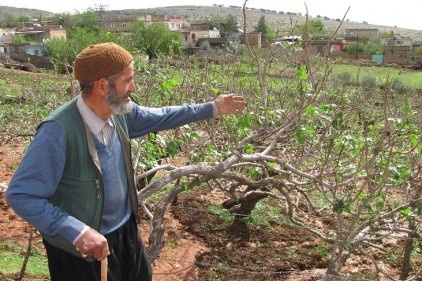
pixel 36 180
pixel 145 120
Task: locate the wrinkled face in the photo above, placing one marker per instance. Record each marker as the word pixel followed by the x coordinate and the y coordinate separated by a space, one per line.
pixel 118 96
pixel 118 104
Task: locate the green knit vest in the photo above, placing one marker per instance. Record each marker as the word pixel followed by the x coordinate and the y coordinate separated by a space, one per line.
pixel 80 191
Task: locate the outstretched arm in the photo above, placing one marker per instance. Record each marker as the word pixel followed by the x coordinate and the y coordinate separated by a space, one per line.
pixel 145 120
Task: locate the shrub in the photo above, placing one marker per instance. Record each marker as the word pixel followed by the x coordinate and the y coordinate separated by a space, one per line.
pixel 345 78
pixel 368 83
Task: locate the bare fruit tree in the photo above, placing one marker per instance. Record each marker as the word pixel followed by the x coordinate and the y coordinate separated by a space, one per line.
pixel 342 160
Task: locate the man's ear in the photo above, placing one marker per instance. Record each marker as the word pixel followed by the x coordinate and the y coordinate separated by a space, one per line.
pixel 102 86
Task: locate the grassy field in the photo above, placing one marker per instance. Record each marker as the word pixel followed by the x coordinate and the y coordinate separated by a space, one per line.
pixel 411 78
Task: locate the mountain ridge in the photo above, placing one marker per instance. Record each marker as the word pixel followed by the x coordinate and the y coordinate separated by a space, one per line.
pixel 273 19
pixel 276 20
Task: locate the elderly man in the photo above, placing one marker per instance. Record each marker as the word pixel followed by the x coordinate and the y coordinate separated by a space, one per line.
pixel 75 183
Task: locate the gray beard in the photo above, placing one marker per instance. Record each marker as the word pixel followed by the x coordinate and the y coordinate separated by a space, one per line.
pixel 118 105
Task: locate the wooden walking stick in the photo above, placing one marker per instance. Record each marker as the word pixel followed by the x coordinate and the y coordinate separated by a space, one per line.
pixel 104 267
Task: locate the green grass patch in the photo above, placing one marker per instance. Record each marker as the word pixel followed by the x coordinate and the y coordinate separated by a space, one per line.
pixel 222 213
pixel 171 244
pixel 262 214
pixel 266 211
pixel 411 78
pixel 10 93
pixel 12 257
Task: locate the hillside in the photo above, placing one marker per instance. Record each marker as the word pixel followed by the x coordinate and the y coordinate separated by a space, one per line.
pixel 277 20
pixel 18 12
pixel 273 19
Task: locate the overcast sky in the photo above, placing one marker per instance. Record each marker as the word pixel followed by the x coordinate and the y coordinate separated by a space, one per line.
pixel 401 13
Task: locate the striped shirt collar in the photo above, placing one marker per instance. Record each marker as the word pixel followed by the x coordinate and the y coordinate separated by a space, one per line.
pixel 95 123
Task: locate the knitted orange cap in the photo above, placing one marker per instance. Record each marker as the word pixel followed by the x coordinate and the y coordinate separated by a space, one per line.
pixel 101 61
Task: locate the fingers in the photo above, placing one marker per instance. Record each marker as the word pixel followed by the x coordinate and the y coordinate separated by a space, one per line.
pixel 93 244
pixel 104 253
pixel 230 104
pixel 232 97
pixel 99 253
pixel 238 104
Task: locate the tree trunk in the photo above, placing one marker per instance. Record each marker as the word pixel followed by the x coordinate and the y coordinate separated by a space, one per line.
pixel 408 246
pixel 243 207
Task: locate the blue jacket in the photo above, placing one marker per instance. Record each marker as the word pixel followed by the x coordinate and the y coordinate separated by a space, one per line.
pixel 34 185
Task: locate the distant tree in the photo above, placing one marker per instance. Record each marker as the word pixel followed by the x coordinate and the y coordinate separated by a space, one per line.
pixel 10 21
pixel 90 19
pixel 18 39
pixel 314 27
pixel 62 52
pixel 268 33
pixel 230 24
pixel 354 48
pixel 262 26
pixel 386 34
pixel 225 25
pixel 13 21
pixel 154 39
pixel 417 50
pixel 374 48
pixel 214 22
pixel 63 19
pixel 22 19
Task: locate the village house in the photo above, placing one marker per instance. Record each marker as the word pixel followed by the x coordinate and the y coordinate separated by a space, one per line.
pixel 31 47
pixel 323 46
pixel 195 31
pixel 398 50
pixel 35 35
pixel 5 38
pixel 254 39
pixel 174 24
pixel 122 23
pixel 352 35
pixel 401 55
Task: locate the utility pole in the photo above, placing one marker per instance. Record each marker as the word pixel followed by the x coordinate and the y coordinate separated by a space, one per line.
pixel 357 45
pixel 101 11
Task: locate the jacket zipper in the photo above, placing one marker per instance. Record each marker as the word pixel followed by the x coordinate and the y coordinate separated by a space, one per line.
pixel 97 183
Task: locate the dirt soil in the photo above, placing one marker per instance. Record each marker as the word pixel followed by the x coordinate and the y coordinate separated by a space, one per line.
pixel 200 246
